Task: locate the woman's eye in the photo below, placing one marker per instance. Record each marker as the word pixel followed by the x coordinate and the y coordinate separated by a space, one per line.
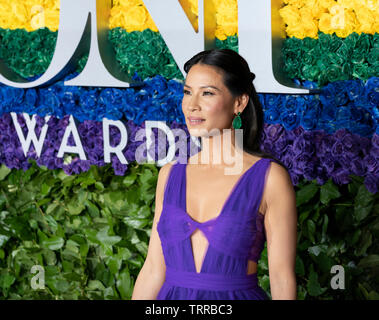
pixel 186 92
pixel 208 93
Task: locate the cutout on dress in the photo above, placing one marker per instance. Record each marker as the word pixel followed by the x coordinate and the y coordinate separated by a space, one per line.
pixel 252 267
pixel 200 254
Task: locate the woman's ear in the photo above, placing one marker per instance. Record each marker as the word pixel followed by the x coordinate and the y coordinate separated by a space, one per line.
pixel 241 102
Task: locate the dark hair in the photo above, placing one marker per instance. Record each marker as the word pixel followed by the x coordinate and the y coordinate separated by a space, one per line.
pixel 238 79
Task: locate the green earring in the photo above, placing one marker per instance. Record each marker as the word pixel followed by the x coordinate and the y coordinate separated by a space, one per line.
pixel 237 122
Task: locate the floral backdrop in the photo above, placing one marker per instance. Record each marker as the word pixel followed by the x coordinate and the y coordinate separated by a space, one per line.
pixel 328 140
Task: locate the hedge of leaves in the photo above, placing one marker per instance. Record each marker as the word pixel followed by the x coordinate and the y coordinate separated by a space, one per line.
pixel 90 233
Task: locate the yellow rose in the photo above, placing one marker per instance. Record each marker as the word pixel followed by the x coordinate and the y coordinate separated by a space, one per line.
pixel 296 3
pixel 324 24
pixel 347 4
pixel 19 18
pixel 365 20
pixel 296 31
pixel 315 8
pixel 192 5
pixel 375 26
pixel 115 17
pixel 227 17
pixel 4 14
pixel 350 23
pixel 326 3
pixel 307 22
pixel 290 15
pixel 150 23
pixel 52 19
pixel 135 18
pixel 230 30
pixel 220 33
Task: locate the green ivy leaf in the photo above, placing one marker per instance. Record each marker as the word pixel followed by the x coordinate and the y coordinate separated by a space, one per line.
pixel 99 186
pixel 146 175
pixel 313 286
pixel 4 171
pixel 95 285
pixel 311 227
pixel 363 203
pixel 92 208
pixel 129 179
pixel 74 207
pixel 53 243
pixel 299 266
pixel 114 264
pixel 325 227
pixel 136 223
pixel 370 261
pixel 124 284
pixel 3 239
pixel 6 280
pixel 104 238
pixel 316 250
pixel 365 243
pixel 45 189
pixel 306 193
pixel 328 192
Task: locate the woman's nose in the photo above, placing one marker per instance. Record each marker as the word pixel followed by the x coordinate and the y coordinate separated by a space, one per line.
pixel 193 102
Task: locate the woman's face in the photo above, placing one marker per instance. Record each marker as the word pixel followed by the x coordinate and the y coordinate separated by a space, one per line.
pixel 207 98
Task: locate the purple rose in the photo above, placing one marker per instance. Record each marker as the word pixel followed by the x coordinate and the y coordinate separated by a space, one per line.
pixel 372 183
pixel 357 166
pixel 337 148
pixel 274 132
pixel 341 176
pixel 350 144
pixel 329 163
pixel 375 140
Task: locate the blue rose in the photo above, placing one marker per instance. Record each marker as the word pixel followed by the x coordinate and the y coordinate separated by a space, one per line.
pixel 11 98
pixel 175 86
pixel 272 115
pixel 112 98
pixel 310 84
pixel 289 119
pixel 111 113
pixel 49 97
pixel 355 89
pixel 272 100
pixel 290 103
pixel 88 106
pixel 327 95
pixel 30 98
pixel 157 86
pixel 372 92
pixel 310 115
pixel 334 94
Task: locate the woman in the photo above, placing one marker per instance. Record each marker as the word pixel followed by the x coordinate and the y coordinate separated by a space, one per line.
pixel 210 227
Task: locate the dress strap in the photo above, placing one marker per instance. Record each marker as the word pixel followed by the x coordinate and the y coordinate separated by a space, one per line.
pixel 173 192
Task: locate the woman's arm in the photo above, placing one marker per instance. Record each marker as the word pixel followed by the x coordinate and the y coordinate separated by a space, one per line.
pixel 281 233
pixel 152 275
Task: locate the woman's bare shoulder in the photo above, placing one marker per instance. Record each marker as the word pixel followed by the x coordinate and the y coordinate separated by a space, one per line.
pixel 279 184
pixel 164 172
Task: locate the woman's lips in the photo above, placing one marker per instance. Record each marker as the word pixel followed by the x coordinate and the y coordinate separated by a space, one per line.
pixel 195 120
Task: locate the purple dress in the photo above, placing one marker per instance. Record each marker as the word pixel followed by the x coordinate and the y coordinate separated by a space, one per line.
pixel 235 236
